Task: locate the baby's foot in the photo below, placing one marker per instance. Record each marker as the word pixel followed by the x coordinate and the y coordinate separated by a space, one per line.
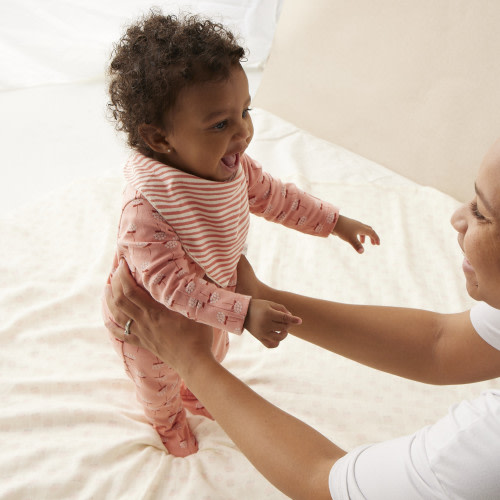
pixel 179 440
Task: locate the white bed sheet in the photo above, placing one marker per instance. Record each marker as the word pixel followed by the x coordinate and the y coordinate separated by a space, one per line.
pixel 70 426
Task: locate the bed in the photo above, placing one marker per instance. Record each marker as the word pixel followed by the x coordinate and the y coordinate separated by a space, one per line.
pixel 70 426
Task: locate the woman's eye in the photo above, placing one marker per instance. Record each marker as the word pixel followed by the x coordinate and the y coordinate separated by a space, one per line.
pixel 475 212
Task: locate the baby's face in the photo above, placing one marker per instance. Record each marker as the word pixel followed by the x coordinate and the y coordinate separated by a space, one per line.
pixel 211 128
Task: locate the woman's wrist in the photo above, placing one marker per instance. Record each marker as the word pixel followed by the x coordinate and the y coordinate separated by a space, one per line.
pixel 198 367
pixel 185 346
pixel 248 283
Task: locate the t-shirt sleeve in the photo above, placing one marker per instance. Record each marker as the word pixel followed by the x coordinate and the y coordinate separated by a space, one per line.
pixel 457 457
pixel 383 471
pixel 486 321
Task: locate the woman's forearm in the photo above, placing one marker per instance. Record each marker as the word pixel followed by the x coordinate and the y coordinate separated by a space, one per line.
pixel 405 342
pixel 396 340
pixel 290 454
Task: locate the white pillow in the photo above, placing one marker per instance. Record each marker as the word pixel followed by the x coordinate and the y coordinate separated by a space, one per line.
pixel 254 20
pixel 63 41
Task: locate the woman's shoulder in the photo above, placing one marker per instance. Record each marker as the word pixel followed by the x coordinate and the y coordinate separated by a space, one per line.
pixel 486 321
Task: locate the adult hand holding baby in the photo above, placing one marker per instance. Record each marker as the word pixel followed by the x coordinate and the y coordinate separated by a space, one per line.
pixel 127 301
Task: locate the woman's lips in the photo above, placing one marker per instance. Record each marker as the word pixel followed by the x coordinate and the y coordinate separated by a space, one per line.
pixel 466 266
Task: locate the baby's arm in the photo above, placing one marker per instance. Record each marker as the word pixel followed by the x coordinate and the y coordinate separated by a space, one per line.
pixel 160 264
pixel 269 322
pixel 288 205
pixel 158 261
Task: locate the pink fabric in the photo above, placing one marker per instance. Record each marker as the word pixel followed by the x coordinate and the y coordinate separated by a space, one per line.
pixel 210 218
pixel 163 394
pixel 158 261
pixel 286 204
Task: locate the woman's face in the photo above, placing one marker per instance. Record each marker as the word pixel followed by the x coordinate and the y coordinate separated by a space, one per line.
pixel 478 227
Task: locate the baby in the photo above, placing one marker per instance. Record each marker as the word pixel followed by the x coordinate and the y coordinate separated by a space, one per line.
pixel 180 94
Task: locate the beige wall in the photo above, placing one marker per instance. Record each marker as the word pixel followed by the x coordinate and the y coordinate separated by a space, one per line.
pixel 413 85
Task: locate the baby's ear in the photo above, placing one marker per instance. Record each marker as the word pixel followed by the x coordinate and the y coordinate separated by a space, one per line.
pixel 154 137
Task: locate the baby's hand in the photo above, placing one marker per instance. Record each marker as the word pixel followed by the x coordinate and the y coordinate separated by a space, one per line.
pixel 268 322
pixel 354 232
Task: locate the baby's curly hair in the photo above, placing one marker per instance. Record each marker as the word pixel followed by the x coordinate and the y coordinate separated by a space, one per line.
pixel 159 56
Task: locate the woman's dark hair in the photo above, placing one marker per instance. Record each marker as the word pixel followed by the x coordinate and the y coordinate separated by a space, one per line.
pixel 156 58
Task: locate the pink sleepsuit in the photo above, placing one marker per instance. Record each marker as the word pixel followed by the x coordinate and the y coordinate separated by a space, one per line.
pixel 190 269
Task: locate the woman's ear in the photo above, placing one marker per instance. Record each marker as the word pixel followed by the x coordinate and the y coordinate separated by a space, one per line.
pixel 155 138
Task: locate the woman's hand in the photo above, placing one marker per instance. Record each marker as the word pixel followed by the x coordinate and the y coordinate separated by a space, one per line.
pixel 175 339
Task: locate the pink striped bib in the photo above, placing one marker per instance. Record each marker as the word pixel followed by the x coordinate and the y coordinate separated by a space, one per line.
pixel 211 218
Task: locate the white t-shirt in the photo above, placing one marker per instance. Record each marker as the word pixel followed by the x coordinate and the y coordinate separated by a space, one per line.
pixel 456 458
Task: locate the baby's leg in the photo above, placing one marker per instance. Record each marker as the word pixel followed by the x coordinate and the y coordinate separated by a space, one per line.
pixel 220 347
pixel 157 388
pixel 190 402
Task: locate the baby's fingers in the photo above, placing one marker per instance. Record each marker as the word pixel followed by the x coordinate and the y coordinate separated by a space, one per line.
pixel 279 336
pixel 374 237
pixel 273 339
pixel 281 316
pixel 360 237
pixel 356 243
pixel 270 344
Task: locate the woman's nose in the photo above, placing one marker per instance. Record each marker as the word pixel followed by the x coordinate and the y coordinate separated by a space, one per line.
pixel 459 220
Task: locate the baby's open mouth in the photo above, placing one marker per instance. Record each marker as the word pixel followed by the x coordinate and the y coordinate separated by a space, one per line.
pixel 231 161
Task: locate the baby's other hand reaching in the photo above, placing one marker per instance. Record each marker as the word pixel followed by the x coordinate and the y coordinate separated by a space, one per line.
pixel 355 232
pixel 269 322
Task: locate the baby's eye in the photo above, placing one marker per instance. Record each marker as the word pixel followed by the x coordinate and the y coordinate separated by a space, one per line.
pixel 246 112
pixel 221 125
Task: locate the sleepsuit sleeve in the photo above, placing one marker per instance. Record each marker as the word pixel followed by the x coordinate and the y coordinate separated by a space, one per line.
pixel 160 264
pixel 286 204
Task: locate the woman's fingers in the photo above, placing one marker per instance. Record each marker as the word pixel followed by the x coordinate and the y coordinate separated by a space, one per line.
pixel 117 313
pixel 120 304
pixel 121 319
pixel 132 291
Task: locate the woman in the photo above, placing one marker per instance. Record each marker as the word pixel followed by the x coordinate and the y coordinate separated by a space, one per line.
pixel 458 457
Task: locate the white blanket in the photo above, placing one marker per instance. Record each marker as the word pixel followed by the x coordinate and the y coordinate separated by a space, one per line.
pixel 70 426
